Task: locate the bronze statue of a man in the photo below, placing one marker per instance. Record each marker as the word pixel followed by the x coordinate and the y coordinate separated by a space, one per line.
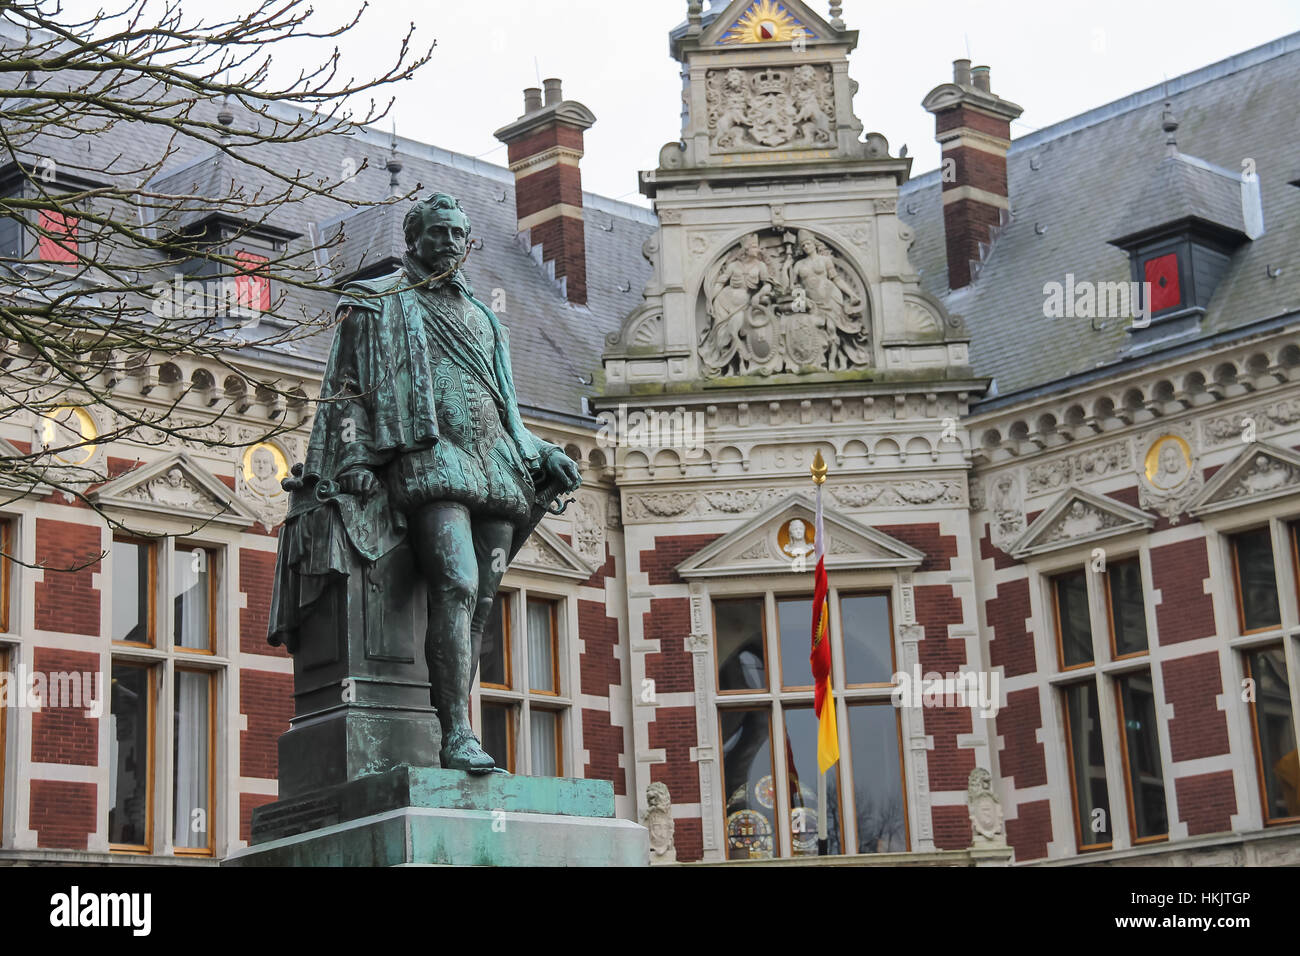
pixel 418 438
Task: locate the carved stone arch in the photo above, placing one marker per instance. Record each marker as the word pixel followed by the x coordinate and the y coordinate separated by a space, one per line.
pixel 783 299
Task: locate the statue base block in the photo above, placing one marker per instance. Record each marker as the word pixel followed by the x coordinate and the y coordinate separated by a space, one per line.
pixel 421 816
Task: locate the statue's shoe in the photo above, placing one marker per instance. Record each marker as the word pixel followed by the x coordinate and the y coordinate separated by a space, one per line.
pixel 461 751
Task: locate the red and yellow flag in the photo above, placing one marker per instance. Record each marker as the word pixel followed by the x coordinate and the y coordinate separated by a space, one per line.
pixel 828 739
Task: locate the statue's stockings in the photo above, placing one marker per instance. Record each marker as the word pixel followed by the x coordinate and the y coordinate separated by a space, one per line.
pixel 462 560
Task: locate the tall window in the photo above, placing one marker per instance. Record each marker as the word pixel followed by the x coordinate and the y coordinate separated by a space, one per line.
pixel 768 730
pixel 4 739
pixel 130 758
pixel 1123 638
pixel 523 701
pixel 167 661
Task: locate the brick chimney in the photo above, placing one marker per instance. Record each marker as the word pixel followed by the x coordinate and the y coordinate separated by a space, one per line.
pixel 973 127
pixel 545 147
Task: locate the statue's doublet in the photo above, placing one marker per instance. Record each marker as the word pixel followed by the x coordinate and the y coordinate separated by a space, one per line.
pixel 474 461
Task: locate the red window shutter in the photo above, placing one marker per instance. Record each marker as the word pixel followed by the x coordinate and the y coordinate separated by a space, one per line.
pixel 1162 273
pixel 252 287
pixel 58 239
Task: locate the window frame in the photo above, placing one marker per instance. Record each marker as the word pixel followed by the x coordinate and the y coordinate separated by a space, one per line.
pixel 777 699
pixel 1110 612
pixel 1125 764
pixel 215 570
pixel 8 539
pixel 1053 581
pixel 211 847
pixel 152 671
pixel 519 702
pixel 1231 538
pixel 151 546
pixel 1252 708
pixel 717 659
pixel 1080 846
pixel 893 649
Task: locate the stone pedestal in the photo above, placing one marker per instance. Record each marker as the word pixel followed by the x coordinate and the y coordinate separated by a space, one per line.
pixel 360 681
pixel 422 816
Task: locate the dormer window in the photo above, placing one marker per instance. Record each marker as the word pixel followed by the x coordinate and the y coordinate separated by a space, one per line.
pixel 1183 229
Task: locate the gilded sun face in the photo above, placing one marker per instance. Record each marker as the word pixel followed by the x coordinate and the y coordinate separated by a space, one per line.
pixel 765 21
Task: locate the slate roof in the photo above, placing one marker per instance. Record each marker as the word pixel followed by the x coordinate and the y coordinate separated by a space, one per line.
pixel 1078 184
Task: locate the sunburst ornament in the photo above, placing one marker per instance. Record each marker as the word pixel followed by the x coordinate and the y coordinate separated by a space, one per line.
pixel 766 21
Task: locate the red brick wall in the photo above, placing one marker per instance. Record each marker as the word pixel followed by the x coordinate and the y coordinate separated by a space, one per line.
pixel 256 579
pixel 266 699
pixel 66 601
pixel 659 562
pixel 937 608
pixel 248 802
pixel 1012 644
pixel 673 730
pixel 671 668
pixel 1198 728
pixel 604 745
pixel 66 734
pixel 959 116
pixel 966 224
pixel 564 243
pixel 1031 830
pixel 1022 759
pixel 951 827
pixel 1206 802
pixel 1178 572
pixel 63 814
pixel 939 548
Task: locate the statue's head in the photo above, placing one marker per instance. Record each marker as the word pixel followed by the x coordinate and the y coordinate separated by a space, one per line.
pixel 437 232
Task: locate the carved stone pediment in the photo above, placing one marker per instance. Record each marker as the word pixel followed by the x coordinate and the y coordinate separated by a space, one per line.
pixel 1075 518
pixel 1261 472
pixel 175 487
pixel 780 541
pixel 545 552
pixel 766 21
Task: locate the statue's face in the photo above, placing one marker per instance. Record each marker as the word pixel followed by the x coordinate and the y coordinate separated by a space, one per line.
pixel 442 241
pixel 809 246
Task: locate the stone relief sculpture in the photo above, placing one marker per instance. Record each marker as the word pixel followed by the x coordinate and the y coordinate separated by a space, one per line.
pixel 771 108
pixel 783 302
pixel 658 819
pixel 987 828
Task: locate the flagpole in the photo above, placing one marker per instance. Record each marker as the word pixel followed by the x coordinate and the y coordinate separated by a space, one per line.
pixel 819 470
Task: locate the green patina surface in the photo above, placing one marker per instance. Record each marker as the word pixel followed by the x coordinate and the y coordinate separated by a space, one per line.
pixel 447 837
pixel 454 789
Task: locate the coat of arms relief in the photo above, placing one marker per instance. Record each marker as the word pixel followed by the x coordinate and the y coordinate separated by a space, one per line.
pixel 771 108
pixel 783 301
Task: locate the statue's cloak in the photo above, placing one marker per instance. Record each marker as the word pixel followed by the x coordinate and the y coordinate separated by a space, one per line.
pixel 377 401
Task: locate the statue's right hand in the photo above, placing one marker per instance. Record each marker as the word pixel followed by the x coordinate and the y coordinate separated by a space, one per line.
pixel 359 481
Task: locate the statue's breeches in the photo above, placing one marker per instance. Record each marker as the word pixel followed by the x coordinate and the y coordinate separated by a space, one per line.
pixel 491 484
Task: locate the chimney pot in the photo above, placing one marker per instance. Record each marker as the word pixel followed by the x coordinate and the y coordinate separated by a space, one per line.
pixel 553 94
pixel 532 100
pixel 961 72
pixel 980 78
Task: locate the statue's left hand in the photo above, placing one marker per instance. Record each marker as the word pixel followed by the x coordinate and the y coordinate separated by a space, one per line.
pixel 563 468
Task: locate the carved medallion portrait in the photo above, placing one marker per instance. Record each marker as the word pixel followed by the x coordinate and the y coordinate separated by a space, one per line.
pixel 1168 462
pixel 796 538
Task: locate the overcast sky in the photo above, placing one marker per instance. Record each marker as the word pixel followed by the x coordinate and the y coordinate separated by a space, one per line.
pixel 1055 59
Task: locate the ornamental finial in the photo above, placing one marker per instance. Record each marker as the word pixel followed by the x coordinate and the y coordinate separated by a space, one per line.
pixel 818 468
